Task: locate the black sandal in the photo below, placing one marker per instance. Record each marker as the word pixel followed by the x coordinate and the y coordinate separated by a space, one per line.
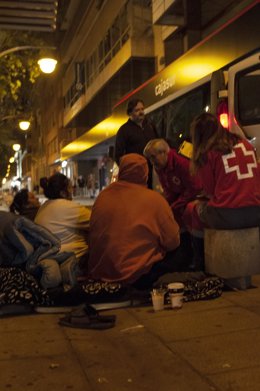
pixel 88 318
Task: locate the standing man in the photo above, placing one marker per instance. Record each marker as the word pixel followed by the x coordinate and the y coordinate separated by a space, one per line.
pixel 133 136
pixel 81 184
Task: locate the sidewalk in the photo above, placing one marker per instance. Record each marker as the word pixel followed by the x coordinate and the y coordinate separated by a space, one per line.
pixel 206 346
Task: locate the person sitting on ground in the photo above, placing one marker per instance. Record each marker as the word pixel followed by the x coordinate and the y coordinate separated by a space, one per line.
pixel 25 204
pixel 65 218
pixel 131 229
pixel 230 176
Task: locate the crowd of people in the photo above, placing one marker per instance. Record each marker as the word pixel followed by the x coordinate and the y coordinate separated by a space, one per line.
pixel 85 187
pixel 133 234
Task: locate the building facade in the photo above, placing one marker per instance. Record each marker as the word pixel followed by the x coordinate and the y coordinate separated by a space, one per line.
pixel 108 49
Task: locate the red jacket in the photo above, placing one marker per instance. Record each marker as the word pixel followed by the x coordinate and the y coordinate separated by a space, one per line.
pixel 232 180
pixel 178 185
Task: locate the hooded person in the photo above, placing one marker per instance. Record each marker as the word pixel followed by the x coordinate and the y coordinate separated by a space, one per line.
pixel 131 229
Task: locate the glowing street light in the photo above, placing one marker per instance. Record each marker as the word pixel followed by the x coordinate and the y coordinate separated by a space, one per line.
pixel 16 147
pixel 24 125
pixel 47 65
pixel 11 160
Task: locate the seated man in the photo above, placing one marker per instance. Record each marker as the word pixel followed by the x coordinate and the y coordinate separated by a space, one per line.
pixel 131 229
pixel 173 170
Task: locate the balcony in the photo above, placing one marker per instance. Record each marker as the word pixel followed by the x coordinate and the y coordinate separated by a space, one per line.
pixel 168 12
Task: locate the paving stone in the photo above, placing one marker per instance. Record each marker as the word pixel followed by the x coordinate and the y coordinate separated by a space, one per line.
pixel 33 343
pixel 133 359
pixel 241 380
pixel 28 322
pixel 180 325
pixel 59 373
pixel 246 299
pixel 221 353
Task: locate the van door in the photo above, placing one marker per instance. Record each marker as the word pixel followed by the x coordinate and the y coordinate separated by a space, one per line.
pixel 244 99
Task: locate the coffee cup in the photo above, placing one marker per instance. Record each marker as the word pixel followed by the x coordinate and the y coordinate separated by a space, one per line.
pixel 158 299
pixel 176 291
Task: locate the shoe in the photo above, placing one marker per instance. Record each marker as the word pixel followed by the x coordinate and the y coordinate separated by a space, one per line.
pixel 88 318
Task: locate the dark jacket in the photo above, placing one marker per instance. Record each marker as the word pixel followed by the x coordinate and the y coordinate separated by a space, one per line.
pixel 131 138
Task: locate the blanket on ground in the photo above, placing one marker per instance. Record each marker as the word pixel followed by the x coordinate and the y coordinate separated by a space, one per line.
pixel 19 287
pixel 26 244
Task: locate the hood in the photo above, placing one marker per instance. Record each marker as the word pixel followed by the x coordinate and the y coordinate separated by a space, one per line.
pixel 133 168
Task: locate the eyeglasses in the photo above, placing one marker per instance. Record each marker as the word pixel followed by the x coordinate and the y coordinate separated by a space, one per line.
pixel 153 156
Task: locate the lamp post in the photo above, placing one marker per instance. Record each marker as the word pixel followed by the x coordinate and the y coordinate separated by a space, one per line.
pixel 18 158
pixel 47 65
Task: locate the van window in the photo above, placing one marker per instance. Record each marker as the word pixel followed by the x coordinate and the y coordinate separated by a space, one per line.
pixel 157 117
pixel 248 102
pixel 173 119
pixel 181 112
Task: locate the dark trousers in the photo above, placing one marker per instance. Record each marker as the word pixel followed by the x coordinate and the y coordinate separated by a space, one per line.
pixel 174 261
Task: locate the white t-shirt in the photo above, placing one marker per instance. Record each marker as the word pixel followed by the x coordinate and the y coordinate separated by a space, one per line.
pixel 67 220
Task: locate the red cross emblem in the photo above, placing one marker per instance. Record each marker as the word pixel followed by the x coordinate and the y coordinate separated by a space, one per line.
pixel 241 161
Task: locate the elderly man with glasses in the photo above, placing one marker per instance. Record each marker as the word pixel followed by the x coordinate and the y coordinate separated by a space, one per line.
pixel 180 190
pixel 173 171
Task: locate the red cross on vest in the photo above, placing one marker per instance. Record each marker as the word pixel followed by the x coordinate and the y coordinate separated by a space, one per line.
pixel 241 161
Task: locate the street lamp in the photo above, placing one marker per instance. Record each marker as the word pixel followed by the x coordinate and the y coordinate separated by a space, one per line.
pixel 47 65
pixel 24 125
pixel 18 157
pixel 16 147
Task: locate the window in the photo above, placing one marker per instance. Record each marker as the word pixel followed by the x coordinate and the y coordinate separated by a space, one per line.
pixel 100 55
pixel 248 102
pixel 115 36
pixel 53 146
pixel 87 72
pixel 157 117
pixel 180 113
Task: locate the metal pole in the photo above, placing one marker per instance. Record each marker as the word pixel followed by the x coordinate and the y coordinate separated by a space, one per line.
pixel 18 48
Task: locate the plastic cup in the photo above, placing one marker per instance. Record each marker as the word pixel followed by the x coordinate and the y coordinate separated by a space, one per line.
pixel 176 291
pixel 158 299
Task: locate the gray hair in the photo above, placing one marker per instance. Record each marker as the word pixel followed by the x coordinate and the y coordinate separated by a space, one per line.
pixel 158 145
